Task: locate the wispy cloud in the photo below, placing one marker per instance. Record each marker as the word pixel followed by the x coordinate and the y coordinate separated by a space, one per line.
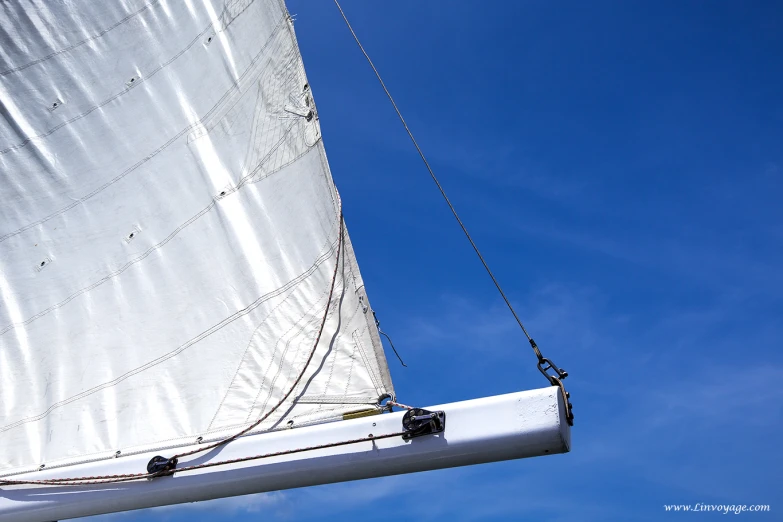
pixel 226 506
pixel 630 388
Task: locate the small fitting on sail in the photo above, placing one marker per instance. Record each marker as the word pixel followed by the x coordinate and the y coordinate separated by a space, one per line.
pixel 133 81
pixel 301 105
pixel 158 465
pixel 43 263
pixel 417 422
pixel 56 104
pixel 304 112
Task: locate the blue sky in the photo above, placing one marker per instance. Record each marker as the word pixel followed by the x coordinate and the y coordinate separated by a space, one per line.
pixel 621 166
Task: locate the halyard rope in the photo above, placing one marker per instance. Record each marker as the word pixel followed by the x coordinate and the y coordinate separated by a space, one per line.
pixel 403 406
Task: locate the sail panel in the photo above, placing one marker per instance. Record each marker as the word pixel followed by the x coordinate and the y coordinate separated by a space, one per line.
pixel 168 233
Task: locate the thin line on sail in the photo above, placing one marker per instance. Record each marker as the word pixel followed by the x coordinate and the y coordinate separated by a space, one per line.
pixel 323 399
pixel 213 204
pixel 236 87
pixel 291 284
pixel 81 42
pixel 142 77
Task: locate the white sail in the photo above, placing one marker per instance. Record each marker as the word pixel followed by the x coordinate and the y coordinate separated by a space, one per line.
pixel 169 231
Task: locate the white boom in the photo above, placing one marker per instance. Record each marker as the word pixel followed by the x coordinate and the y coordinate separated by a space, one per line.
pixel 503 427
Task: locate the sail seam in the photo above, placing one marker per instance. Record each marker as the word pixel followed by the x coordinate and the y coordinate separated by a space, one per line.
pixel 141 78
pixel 236 315
pixel 334 342
pixel 221 100
pixel 335 339
pixel 336 399
pixel 301 328
pixel 334 357
pixel 340 247
pixel 333 308
pixel 249 345
pixel 374 378
pixel 144 255
pixel 350 371
pixel 80 43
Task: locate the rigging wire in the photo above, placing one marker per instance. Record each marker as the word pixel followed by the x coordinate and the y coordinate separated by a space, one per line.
pixel 378 326
pixel 392 346
pixel 544 364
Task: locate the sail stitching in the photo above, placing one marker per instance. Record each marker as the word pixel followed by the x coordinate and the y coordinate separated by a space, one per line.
pixel 224 114
pixel 335 308
pixel 230 14
pixel 335 339
pixel 374 378
pixel 218 326
pixel 334 356
pixel 250 344
pixel 128 88
pixel 240 425
pixel 340 247
pixel 80 43
pixel 350 371
pixel 139 258
pixel 327 309
pixel 150 156
pixel 301 327
pixel 336 399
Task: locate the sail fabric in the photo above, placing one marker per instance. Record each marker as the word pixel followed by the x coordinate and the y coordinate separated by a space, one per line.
pixel 169 231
